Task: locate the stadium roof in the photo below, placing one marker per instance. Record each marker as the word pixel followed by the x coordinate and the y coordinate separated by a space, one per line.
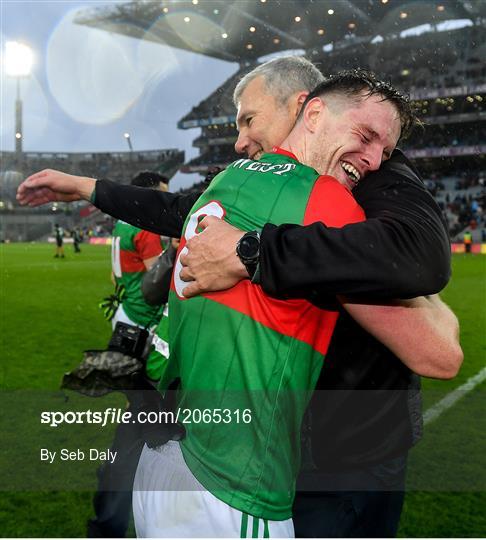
pixel 245 30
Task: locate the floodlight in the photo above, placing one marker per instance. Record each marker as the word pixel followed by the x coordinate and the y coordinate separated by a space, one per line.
pixel 129 141
pixel 18 59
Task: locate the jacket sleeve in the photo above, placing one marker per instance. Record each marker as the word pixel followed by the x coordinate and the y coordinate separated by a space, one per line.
pixel 401 251
pixel 156 281
pixel 155 211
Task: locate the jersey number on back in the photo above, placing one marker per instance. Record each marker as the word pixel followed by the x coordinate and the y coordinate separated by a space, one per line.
pixel 213 208
pixel 115 257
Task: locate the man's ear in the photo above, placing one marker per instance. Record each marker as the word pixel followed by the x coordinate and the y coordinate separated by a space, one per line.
pixel 296 102
pixel 301 97
pixel 312 113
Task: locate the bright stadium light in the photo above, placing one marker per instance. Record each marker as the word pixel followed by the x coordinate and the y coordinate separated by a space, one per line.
pixel 129 141
pixel 18 63
pixel 18 59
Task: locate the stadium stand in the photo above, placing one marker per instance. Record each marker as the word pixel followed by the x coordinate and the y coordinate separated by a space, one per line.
pixel 433 51
pixel 445 79
pixel 28 224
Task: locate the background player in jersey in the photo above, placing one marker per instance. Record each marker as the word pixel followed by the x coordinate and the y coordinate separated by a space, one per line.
pixel 400 205
pixel 59 238
pixel 267 354
pixel 134 251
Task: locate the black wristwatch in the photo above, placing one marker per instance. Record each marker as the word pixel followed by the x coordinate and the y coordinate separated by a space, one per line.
pixel 248 251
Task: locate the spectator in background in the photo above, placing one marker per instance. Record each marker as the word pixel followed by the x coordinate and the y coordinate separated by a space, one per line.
pixel 467 239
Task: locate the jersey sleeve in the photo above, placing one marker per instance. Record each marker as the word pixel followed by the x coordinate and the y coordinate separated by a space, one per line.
pixel 155 211
pixel 402 250
pixel 332 204
pixel 147 245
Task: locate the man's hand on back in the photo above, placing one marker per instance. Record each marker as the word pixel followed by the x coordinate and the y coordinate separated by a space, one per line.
pixel 54 186
pixel 211 263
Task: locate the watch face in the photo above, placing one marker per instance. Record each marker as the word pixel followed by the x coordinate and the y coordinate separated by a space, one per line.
pixel 249 247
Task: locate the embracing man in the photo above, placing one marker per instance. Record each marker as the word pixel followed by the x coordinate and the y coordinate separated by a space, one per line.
pixel 401 251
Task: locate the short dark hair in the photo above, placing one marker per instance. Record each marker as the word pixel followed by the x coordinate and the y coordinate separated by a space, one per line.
pixel 149 179
pixel 356 83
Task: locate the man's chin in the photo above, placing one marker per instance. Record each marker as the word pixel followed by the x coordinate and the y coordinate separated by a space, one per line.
pixel 344 180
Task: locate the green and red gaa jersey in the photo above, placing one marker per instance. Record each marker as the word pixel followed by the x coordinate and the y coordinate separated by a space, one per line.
pixel 130 247
pixel 249 363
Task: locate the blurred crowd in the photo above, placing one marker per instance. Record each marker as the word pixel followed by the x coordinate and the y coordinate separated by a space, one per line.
pixel 437 61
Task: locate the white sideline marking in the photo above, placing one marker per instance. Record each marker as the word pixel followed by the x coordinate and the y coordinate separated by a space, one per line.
pixel 436 410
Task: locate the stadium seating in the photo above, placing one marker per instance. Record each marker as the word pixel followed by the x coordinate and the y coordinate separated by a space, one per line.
pixel 444 76
pixel 26 224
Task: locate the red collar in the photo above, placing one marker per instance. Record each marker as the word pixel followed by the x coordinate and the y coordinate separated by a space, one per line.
pixel 278 150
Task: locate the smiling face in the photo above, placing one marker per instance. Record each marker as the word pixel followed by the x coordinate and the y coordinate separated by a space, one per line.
pixel 262 121
pixel 354 136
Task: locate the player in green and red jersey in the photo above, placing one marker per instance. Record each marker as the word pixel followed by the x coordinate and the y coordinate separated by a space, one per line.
pixel 239 351
pixel 133 252
pixel 270 368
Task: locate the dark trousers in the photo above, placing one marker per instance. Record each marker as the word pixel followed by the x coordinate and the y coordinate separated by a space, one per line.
pixel 113 500
pixel 360 504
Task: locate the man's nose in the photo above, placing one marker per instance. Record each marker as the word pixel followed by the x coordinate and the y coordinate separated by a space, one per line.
pixel 372 158
pixel 241 144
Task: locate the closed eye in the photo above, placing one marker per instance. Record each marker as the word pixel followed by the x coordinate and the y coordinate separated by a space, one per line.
pixel 363 137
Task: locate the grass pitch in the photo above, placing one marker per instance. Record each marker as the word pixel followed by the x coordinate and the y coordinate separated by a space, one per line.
pixel 49 315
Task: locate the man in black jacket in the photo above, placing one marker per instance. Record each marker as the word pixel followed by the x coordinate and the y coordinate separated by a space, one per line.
pixel 359 431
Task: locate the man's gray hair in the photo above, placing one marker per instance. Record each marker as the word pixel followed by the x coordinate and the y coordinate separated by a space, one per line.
pixel 283 77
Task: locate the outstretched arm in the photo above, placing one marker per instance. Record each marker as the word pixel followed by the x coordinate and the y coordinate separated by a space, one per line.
pixel 154 211
pixel 54 186
pixel 422 332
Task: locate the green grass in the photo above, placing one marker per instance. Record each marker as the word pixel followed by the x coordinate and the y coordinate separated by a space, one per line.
pixel 466 294
pixel 447 469
pixel 49 315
